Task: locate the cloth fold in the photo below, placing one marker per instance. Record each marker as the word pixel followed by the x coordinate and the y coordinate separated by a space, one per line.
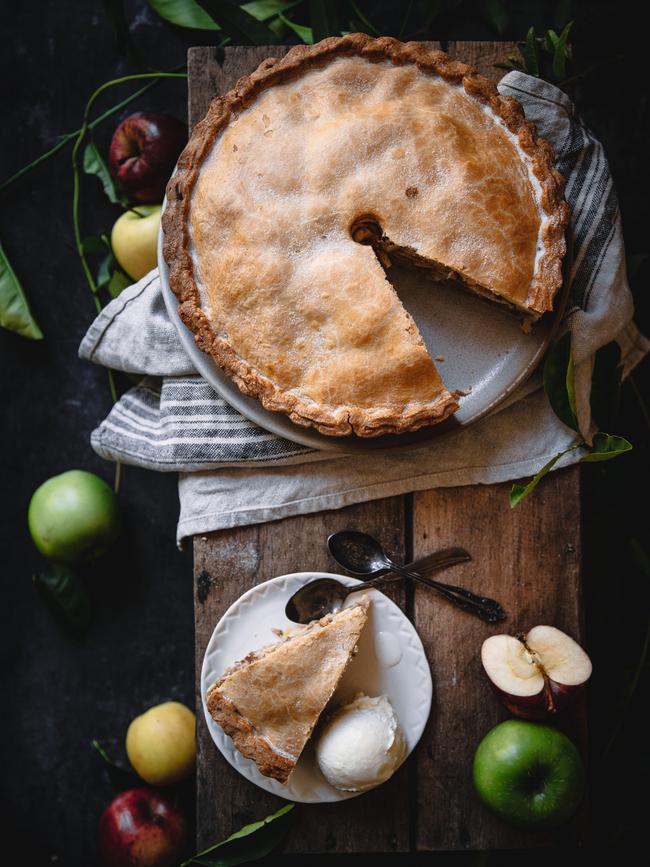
pixel 233 472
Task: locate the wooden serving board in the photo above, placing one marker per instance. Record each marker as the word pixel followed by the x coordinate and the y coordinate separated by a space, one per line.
pixel 528 558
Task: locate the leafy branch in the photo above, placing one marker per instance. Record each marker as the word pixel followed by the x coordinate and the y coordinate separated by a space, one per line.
pixel 544 57
pixel 250 843
pixel 15 313
pixel 560 390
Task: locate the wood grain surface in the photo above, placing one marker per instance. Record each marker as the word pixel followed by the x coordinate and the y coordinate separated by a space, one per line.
pixel 528 558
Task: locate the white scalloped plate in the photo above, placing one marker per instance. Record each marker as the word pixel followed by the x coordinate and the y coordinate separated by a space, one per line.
pixel 391 661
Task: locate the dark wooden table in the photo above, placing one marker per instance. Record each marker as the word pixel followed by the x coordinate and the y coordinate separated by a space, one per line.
pixel 529 558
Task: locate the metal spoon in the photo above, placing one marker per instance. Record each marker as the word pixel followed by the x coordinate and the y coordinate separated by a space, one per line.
pixel 327 595
pixel 362 555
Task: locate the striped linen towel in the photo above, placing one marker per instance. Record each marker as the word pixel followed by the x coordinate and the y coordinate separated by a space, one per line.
pixel 173 420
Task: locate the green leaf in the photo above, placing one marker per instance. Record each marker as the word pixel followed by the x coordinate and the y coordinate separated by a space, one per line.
pixel 184 13
pixel 14 307
pixel 551 40
pixel 605 447
pixel 237 23
pixel 323 19
pixel 518 492
pixel 119 281
pixel 304 33
pixel 530 52
pixel 94 165
pixel 64 593
pixel 605 385
pixel 95 244
pixel 495 13
pixel 558 381
pixel 105 271
pixel 188 13
pixel 265 9
pixel 248 844
pixel 561 52
pixel 120 778
pixel 111 277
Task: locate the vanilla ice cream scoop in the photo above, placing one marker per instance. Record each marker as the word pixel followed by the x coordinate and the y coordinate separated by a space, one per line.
pixel 361 744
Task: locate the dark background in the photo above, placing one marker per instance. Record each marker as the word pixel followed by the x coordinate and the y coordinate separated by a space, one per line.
pixel 58 692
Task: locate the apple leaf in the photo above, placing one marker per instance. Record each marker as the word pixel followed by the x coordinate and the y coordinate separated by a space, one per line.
pixel 302 32
pixel 119 281
pixel 95 244
pixel 250 843
pixel 530 52
pixel 605 447
pixel 265 9
pixel 561 51
pixel 94 165
pixel 188 13
pixel 119 777
pixel 111 277
pixel 184 13
pixel 519 492
pixel 65 595
pixel 236 22
pixel 558 381
pixel 605 385
pixel 15 314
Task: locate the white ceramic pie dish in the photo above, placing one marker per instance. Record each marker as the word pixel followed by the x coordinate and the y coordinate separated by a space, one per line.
pixel 486 354
pixel 391 661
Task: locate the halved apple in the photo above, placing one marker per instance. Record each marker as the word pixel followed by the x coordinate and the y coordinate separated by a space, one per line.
pixel 538 674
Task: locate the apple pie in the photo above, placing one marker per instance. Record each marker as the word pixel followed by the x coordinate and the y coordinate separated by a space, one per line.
pixel 314 173
pixel 270 701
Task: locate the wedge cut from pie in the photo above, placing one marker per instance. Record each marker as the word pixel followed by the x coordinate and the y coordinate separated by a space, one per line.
pixel 303 184
pixel 270 701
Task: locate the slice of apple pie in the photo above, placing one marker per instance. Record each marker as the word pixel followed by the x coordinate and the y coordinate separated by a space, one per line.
pixel 270 701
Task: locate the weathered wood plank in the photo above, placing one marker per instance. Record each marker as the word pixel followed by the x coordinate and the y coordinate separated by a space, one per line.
pixel 529 559
pixel 214 71
pixel 227 564
pixel 514 549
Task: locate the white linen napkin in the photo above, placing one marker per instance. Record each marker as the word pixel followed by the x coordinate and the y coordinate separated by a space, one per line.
pixel 233 473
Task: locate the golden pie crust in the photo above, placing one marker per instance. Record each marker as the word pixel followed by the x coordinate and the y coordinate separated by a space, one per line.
pixel 270 701
pixel 309 177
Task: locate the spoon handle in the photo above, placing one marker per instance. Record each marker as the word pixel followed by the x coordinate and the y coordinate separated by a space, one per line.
pixel 482 606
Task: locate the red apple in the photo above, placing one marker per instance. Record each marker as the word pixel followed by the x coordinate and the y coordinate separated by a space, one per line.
pixel 143 153
pixel 141 828
pixel 538 674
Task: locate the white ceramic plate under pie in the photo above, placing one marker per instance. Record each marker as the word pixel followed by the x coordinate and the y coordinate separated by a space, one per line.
pixel 390 661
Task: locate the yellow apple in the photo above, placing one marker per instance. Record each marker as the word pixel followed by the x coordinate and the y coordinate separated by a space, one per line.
pixel 161 743
pixel 134 239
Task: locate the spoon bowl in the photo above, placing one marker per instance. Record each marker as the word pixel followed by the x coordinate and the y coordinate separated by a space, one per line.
pixel 358 552
pixel 316 599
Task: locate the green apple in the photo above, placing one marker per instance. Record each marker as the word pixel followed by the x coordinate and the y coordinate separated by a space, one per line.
pixel 134 239
pixel 161 743
pixel 74 517
pixel 529 774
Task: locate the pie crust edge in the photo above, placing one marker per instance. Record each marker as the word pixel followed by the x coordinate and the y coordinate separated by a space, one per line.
pixel 341 421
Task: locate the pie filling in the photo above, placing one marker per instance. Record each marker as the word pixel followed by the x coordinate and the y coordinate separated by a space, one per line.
pixel 367 230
